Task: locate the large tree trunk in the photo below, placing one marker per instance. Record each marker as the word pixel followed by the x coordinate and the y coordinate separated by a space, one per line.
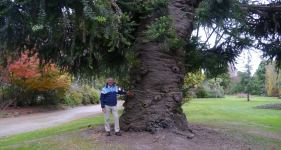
pixel 159 78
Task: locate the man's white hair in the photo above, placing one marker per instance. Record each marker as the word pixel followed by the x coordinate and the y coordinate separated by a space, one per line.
pixel 109 78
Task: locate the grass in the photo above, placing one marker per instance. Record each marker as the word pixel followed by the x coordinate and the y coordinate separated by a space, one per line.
pixel 239 118
pixel 230 113
pixel 43 133
pixel 235 113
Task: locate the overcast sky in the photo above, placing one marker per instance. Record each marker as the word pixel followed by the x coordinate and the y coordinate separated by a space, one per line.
pixel 255 59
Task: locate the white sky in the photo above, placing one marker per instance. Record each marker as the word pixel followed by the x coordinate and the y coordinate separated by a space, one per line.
pixel 255 59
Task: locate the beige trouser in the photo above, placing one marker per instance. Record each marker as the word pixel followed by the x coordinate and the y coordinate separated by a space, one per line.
pixel 114 111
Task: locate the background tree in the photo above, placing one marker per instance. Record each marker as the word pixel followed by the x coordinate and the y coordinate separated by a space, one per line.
pixel 245 84
pixel 272 80
pixel 247 81
pixel 258 80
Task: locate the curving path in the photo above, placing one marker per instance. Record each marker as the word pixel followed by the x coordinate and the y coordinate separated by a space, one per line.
pixel 12 126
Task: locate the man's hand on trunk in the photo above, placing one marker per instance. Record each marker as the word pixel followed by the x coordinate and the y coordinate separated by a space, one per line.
pixel 130 94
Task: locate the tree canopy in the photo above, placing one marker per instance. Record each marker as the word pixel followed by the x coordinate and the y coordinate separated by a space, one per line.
pixel 96 36
pixel 83 36
pixel 149 40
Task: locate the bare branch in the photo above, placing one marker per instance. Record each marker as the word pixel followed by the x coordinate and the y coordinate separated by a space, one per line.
pixel 214 29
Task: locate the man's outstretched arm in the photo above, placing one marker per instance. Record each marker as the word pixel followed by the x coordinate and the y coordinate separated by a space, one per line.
pixel 121 91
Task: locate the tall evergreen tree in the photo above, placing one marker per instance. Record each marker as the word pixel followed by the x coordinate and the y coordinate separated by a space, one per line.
pixel 259 80
pixel 248 85
pixel 148 40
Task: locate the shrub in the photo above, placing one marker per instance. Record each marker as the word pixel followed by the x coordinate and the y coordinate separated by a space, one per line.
pixel 192 81
pixel 209 90
pixel 81 94
pixel 73 98
pixel 201 92
pixel 7 96
pixel 40 85
pixel 218 93
pixel 95 97
pixel 90 95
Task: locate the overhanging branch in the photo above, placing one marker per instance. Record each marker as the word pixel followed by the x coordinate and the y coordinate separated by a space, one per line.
pixel 263 8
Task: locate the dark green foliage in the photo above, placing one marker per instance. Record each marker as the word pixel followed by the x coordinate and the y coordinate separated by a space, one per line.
pixel 95 38
pixel 245 84
pixel 7 96
pixel 200 92
pixel 218 12
pixel 143 7
pixel 272 50
pixel 264 25
pixel 162 31
pixel 23 97
pixel 240 25
pixel 235 86
pixel 84 37
pixel 259 80
pixel 214 60
pixel 256 82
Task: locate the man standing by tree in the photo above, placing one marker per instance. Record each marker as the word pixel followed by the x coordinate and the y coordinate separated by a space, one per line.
pixel 151 41
pixel 108 101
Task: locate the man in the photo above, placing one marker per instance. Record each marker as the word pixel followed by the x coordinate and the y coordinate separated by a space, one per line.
pixel 108 101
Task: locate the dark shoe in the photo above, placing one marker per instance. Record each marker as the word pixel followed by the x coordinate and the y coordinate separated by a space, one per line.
pixel 118 133
pixel 107 133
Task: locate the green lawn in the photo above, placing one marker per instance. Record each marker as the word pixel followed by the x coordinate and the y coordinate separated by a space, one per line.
pixel 230 113
pixel 233 112
pixel 24 138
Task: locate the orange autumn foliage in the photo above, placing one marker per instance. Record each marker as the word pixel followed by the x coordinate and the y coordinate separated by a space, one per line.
pixel 25 67
pixel 26 73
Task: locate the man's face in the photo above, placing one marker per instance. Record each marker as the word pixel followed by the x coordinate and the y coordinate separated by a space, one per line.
pixel 110 81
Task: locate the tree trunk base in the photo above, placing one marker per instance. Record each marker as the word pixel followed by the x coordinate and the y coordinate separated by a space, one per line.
pixel 143 113
pixel 158 78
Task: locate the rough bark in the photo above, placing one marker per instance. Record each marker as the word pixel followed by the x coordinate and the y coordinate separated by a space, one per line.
pixel 159 78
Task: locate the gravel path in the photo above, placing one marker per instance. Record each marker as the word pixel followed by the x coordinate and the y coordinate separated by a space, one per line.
pixel 12 126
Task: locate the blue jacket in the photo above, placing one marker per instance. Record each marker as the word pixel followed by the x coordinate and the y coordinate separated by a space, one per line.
pixel 109 95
